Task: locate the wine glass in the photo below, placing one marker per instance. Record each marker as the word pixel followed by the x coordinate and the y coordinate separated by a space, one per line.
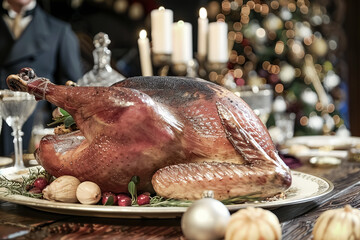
pixel 259 98
pixel 16 107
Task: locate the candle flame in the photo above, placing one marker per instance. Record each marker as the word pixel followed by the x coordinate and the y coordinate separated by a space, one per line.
pixel 161 8
pixel 181 22
pixel 202 12
pixel 143 34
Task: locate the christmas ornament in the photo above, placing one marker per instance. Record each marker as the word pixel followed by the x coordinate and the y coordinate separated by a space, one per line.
pixel 205 219
pixel 273 22
pixel 253 223
pixel 287 73
pixel 285 13
pixel 319 47
pixel 315 122
pixel 302 30
pixel 309 97
pixel 338 224
pixel 229 81
pixel 279 104
pixel 331 80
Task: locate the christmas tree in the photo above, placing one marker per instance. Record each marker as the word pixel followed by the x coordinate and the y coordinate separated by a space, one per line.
pixel 295 47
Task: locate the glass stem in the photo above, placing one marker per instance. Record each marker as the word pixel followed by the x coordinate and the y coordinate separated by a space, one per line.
pixel 17 133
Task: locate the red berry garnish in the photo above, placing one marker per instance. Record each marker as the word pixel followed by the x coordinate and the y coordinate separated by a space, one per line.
pixel 123 200
pixel 143 199
pixel 35 190
pixel 40 183
pixel 108 198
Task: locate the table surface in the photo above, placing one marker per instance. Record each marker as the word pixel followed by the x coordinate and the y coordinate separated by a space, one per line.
pixel 21 222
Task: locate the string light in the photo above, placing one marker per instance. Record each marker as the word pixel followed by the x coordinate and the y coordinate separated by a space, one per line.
pixel 292 7
pixel 258 8
pixel 241 59
pixel 239 37
pixel 288 42
pixel 304 121
pixel 237 26
pixel 226 7
pixel 274 5
pixel 220 17
pixel 238 73
pixel 279 47
pixel 251 4
pixel 213 76
pixel 279 88
pixel 264 9
pixel 330 108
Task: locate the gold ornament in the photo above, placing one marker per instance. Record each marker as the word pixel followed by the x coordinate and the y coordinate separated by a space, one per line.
pixel 253 223
pixel 319 47
pixel 338 224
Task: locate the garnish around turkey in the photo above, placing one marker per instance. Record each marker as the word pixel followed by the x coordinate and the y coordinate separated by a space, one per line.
pixel 67 189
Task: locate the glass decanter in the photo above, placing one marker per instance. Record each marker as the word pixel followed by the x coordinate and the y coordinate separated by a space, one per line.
pixel 102 73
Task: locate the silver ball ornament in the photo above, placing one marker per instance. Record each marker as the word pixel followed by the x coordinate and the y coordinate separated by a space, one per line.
pixel 205 219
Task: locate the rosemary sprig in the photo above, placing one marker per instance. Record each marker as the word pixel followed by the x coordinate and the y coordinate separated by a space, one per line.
pixel 20 186
pixel 158 201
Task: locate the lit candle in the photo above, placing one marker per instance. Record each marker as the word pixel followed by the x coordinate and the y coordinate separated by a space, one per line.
pixel 203 22
pixel 161 24
pixel 144 51
pixel 218 42
pixel 182 42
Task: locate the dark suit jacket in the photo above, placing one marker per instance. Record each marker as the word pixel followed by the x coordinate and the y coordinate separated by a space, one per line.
pixel 47 45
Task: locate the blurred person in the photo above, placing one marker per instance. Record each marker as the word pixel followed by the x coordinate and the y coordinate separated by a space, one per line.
pixel 30 37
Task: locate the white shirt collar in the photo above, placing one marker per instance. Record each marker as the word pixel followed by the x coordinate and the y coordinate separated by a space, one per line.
pixel 12 14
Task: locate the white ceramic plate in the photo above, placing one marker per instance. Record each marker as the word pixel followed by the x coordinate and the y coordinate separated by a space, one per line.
pixel 304 188
pixel 5 160
pixel 335 142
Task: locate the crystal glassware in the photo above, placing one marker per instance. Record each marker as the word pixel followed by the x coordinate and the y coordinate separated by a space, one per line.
pixel 259 98
pixel 102 73
pixel 16 107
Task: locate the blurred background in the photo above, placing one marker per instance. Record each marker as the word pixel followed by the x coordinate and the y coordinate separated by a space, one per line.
pixel 270 42
pixel 305 52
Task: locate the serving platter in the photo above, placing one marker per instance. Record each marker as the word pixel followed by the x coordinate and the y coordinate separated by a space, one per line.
pixel 304 188
pixel 321 141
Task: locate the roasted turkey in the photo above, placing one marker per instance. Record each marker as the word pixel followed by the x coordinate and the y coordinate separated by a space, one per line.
pixel 180 136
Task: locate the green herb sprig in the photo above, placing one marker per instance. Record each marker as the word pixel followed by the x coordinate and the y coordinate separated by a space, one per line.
pixel 65 119
pixel 132 189
pixel 20 186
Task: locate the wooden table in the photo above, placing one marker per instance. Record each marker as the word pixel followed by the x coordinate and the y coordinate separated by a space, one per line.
pixel 20 222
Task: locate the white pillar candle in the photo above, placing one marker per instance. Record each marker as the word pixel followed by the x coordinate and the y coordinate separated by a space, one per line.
pixel 218 42
pixel 144 52
pixel 161 24
pixel 182 42
pixel 203 23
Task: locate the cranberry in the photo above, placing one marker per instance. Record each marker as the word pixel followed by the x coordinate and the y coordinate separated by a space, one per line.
pixel 35 190
pixel 109 198
pixel 123 200
pixel 143 199
pixel 40 183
